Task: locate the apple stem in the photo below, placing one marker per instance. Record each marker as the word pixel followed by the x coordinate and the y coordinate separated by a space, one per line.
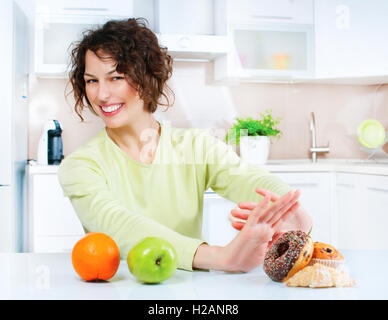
pixel 158 261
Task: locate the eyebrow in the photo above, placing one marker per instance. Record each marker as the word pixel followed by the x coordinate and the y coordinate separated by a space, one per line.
pixel 108 73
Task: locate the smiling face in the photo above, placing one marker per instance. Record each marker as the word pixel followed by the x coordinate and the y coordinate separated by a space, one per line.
pixel 110 93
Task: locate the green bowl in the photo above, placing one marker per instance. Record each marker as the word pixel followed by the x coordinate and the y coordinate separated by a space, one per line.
pixel 371 134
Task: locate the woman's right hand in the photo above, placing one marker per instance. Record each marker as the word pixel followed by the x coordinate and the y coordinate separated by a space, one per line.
pixel 246 251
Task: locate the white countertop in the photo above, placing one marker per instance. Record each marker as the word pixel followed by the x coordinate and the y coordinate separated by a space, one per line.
pixel 379 167
pixel 51 276
pixel 288 165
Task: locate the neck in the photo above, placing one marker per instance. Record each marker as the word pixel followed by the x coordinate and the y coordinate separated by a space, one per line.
pixel 135 135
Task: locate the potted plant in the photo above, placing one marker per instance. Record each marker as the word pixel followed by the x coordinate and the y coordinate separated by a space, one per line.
pixel 253 136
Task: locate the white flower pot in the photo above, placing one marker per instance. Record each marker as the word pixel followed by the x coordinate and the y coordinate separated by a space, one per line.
pixel 254 149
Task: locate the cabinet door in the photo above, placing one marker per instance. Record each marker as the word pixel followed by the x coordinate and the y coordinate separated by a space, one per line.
pixel 52 213
pixel 349 38
pixel 263 51
pixel 55 244
pixel 54 35
pixel 7 216
pixel 217 229
pixel 349 210
pixel 188 17
pixel 6 85
pixel 362 211
pixel 316 198
pixel 375 211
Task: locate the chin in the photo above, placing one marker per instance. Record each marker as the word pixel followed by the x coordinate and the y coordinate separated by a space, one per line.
pixel 114 124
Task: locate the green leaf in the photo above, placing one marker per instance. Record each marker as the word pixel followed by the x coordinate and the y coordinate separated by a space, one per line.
pixel 264 126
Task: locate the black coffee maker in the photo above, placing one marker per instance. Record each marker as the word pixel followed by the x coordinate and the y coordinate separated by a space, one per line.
pixel 50 150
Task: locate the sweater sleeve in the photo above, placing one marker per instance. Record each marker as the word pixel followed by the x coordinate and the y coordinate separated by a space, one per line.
pixel 99 211
pixel 232 177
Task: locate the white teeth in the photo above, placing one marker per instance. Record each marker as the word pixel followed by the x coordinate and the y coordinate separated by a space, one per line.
pixel 111 108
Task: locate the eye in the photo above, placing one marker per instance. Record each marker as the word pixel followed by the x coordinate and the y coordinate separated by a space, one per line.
pixel 118 78
pixel 90 81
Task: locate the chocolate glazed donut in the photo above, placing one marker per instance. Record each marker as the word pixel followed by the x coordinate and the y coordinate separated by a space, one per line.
pixel 291 252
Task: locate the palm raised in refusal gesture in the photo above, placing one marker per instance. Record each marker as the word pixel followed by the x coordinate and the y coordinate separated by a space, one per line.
pixel 246 251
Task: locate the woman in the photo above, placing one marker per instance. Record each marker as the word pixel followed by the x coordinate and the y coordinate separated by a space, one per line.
pixel 138 177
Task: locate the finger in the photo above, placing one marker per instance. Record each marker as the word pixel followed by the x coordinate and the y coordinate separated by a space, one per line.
pixel 276 206
pixel 282 205
pixel 257 212
pixel 265 192
pixel 280 214
pixel 284 208
pixel 238 225
pixel 240 214
pixel 248 205
pixel 288 213
pixel 232 219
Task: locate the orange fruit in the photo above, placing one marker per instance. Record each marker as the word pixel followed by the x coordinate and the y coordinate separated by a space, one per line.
pixel 96 256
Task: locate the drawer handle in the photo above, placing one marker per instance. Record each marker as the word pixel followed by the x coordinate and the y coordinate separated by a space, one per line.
pixel 85 9
pixel 270 17
pixel 346 185
pixel 307 184
pixel 378 189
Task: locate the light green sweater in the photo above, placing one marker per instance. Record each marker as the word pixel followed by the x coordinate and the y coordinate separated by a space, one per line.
pixel 129 200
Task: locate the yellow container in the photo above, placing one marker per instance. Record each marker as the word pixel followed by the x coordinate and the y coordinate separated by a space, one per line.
pixel 281 61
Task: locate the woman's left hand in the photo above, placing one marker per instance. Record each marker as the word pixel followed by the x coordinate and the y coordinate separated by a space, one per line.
pixel 298 220
pixel 247 249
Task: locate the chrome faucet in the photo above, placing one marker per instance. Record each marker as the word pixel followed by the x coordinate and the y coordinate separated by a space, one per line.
pixel 314 149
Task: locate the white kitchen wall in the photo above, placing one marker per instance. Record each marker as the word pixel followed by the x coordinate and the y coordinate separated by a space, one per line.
pixel 338 111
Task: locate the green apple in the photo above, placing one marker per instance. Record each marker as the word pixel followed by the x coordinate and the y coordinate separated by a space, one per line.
pixel 152 260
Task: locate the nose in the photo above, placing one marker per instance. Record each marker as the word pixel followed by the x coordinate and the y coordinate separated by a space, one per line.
pixel 103 93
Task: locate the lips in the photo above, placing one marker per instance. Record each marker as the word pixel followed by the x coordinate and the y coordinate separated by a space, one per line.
pixel 111 109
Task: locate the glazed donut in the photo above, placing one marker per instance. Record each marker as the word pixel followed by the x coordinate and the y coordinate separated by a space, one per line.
pixel 326 252
pixel 291 252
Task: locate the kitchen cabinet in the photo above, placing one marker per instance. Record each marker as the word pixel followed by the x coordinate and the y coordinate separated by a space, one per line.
pixel 7 218
pixel 193 31
pixel 195 48
pixel 6 56
pixel 195 17
pixel 362 202
pixel 13 122
pixel 268 42
pixel 262 52
pixel 217 229
pixel 284 41
pixel 60 23
pixel 347 208
pixel 52 224
pixel 350 44
pixel 54 35
pixel 317 198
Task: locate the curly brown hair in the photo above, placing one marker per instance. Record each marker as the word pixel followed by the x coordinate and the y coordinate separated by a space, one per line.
pixel 136 50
